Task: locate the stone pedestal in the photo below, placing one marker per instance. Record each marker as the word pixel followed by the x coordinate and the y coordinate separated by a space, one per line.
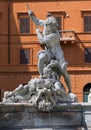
pixel 17 116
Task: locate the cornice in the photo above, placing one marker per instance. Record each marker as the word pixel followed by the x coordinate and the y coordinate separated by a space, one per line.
pixel 85 12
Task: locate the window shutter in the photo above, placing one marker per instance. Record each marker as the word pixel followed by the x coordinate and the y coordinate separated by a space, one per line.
pixel 24 56
pixel 88 55
pixel 87 23
pixel 24 25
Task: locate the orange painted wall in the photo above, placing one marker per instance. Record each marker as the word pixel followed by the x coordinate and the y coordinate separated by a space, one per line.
pixel 12 74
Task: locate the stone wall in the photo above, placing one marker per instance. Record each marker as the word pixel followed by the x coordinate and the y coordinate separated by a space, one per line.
pixel 19 116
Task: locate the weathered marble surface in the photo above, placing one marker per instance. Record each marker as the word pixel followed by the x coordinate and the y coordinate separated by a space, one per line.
pixel 41 93
pixel 20 116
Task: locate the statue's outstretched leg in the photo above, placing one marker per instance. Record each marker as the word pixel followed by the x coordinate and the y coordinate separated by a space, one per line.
pixel 66 75
pixel 67 81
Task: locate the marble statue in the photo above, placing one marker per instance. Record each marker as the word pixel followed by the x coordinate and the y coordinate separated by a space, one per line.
pixel 44 92
pixel 50 37
pixel 47 90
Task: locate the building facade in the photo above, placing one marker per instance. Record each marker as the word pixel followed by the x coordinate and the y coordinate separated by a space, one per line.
pixel 19 44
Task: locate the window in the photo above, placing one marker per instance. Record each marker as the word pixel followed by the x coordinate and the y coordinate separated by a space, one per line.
pixel 24 56
pixel 87 52
pixel 86 14
pixel 87 23
pixel 24 23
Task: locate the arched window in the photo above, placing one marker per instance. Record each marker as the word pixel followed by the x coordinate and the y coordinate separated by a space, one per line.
pixel 86 91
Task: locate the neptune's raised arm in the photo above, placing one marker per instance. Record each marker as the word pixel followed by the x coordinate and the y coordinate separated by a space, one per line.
pixel 37 21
